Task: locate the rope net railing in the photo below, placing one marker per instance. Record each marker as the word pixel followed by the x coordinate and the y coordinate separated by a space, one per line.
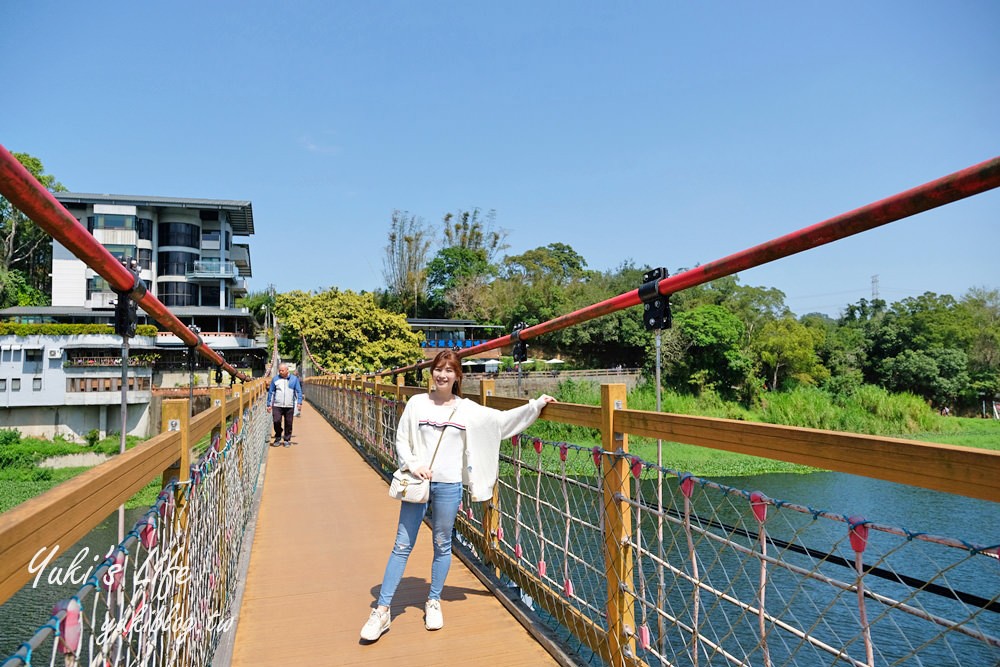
pixel 711 574
pixel 164 595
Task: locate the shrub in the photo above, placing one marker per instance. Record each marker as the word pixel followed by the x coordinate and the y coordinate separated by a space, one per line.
pixel 92 437
pixel 18 329
pixel 9 436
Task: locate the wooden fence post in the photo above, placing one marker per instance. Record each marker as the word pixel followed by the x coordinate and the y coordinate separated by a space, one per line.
pixel 240 426
pixel 491 508
pixel 617 530
pixel 175 415
pixel 217 396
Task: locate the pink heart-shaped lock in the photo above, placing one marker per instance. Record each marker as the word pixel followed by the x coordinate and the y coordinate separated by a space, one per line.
pixel 759 506
pixel 859 533
pixel 644 637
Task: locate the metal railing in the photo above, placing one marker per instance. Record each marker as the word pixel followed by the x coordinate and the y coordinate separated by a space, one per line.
pixel 643 565
pixel 209 269
pixel 164 595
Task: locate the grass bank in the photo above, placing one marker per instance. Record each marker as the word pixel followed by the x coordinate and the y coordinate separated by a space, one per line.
pixel 21 478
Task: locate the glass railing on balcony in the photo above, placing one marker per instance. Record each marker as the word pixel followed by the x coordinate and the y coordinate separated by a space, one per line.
pixel 98 362
pixel 209 269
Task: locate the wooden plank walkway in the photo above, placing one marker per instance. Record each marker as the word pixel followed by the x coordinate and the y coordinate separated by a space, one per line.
pixel 324 532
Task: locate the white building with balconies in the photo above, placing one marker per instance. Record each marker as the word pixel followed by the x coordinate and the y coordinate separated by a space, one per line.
pixel 68 385
pixel 190 257
pixel 186 249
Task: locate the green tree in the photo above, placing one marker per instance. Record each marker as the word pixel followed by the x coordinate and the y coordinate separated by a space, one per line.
pixel 470 231
pixel 454 266
pixel 937 374
pixel 260 304
pixel 556 262
pixel 982 308
pixel 755 306
pixel 787 351
pixel 15 290
pixel 609 340
pixel 25 248
pixel 706 352
pixel 346 331
pixel 404 262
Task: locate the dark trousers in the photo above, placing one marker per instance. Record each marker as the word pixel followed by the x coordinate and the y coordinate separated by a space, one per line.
pixel 279 415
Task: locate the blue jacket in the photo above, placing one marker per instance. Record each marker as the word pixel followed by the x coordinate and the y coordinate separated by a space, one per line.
pixel 284 393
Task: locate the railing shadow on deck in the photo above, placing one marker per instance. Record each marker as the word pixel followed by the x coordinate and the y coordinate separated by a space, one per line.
pixel 164 595
pixel 643 565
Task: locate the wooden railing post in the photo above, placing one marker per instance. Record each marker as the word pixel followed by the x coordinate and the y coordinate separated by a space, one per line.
pixel 379 430
pixel 217 396
pixel 617 530
pixel 491 508
pixel 239 426
pixel 400 383
pixel 175 415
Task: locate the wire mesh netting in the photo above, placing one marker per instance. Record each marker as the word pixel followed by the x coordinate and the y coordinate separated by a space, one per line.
pixel 696 572
pixel 164 595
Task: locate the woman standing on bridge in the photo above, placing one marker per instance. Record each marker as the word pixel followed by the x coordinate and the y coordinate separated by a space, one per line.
pixel 469 452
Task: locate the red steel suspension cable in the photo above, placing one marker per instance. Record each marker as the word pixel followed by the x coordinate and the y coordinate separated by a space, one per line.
pixel 971 181
pixel 31 198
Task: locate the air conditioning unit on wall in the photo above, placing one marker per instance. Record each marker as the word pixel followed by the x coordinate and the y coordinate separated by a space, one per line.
pixel 54 353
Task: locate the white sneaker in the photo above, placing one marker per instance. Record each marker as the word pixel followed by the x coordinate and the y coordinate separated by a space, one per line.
pixel 433 620
pixel 377 623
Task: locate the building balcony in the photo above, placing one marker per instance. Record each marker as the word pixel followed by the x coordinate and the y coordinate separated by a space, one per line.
pixel 100 300
pixel 240 254
pixel 142 360
pixel 209 270
pixel 217 340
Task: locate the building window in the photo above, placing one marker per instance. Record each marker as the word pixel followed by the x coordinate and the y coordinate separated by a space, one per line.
pixel 97 285
pixel 210 239
pixel 210 296
pixel 179 233
pixel 229 241
pixel 121 251
pixel 15 384
pixel 174 263
pixel 145 259
pixel 145 227
pixel 106 221
pixel 75 385
pixel 36 384
pixel 178 294
pixel 32 356
pixel 3 384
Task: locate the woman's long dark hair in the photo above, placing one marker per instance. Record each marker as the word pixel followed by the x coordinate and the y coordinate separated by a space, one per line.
pixel 449 358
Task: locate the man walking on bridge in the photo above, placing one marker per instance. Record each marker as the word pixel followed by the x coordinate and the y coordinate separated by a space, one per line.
pixel 284 397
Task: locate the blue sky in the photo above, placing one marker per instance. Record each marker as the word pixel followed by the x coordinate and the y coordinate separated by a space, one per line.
pixel 665 133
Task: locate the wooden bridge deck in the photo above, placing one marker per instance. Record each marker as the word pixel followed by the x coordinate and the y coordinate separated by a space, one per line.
pixel 323 535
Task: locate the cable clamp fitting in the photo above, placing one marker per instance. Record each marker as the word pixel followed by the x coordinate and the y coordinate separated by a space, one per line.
pixel 656 307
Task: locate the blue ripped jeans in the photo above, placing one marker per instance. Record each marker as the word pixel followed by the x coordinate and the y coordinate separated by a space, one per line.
pixel 445 497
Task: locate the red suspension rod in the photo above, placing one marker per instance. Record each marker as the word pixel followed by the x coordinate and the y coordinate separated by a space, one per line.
pixel 31 198
pixel 959 185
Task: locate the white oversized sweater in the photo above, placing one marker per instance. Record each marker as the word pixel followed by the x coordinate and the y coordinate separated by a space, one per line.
pixel 482 429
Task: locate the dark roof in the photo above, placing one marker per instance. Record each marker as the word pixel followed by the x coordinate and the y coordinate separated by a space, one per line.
pixel 447 324
pixel 240 212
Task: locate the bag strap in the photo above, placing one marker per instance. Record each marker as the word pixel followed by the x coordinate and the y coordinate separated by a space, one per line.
pixel 440 437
